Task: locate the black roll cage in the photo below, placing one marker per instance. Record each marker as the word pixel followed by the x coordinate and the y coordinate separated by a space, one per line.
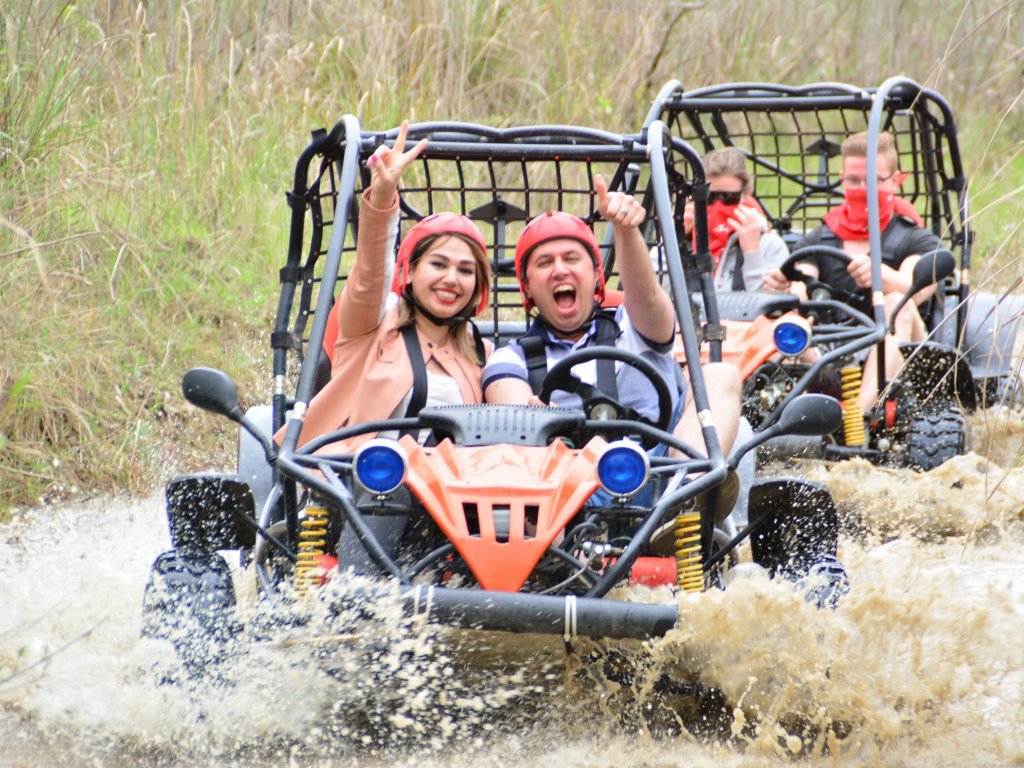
pixel 501 178
pixel 788 134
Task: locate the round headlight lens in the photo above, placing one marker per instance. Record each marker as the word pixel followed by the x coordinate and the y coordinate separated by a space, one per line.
pixel 623 468
pixel 380 465
pixel 792 336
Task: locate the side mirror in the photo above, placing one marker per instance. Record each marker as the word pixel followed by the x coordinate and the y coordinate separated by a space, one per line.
pixel 213 391
pixel 811 415
pixel 932 268
pixel 806 416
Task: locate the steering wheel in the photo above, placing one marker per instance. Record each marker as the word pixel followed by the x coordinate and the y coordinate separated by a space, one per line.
pixel 596 404
pixel 793 274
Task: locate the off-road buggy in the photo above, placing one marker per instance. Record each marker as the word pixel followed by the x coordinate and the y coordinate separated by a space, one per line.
pixel 789 135
pixel 488 525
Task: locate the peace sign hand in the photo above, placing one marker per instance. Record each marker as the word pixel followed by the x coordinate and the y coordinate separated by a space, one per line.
pixel 386 165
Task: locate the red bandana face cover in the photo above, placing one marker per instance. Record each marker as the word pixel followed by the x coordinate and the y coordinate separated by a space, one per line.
pixel 719 228
pixel 849 220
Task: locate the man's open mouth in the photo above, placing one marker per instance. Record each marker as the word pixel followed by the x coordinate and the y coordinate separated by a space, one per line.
pixel 565 297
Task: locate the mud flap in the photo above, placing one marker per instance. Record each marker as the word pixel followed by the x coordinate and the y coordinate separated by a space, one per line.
pixel 937 372
pixel 189 601
pixel 387 529
pixel 796 523
pixel 992 323
pixel 252 462
pixel 796 536
pixel 206 512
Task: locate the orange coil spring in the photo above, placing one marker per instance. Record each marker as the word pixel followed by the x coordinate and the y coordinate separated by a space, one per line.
pixel 853 418
pixel 689 570
pixel 312 539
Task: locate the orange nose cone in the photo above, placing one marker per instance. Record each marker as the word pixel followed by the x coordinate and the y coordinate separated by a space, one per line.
pixel 502 506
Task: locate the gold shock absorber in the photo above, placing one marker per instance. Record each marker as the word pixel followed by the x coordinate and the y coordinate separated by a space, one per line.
pixel 312 539
pixel 853 419
pixel 689 570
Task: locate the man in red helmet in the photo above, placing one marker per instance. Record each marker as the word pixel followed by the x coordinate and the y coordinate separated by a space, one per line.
pixel 558 264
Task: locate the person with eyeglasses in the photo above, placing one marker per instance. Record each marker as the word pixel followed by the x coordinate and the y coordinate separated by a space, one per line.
pixel 903 242
pixel 743 249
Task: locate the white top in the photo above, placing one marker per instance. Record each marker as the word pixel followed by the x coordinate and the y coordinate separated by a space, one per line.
pixel 442 389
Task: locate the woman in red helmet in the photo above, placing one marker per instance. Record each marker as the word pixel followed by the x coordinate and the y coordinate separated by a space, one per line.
pixel 414 345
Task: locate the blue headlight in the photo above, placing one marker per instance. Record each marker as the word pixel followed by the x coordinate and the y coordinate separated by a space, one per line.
pixel 380 465
pixel 623 468
pixel 791 337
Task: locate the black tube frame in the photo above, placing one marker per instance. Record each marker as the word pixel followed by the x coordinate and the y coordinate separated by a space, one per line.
pixel 342 153
pixel 897 95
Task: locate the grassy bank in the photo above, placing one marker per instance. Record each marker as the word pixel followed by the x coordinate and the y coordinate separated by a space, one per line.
pixel 145 149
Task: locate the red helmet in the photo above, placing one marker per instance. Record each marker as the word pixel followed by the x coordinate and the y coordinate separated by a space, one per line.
pixel 441 224
pixel 557 225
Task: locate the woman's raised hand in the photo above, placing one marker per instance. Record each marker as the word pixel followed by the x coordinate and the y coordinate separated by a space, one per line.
pixel 386 165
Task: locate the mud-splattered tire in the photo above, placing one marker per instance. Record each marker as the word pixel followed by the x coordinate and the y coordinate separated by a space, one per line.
pixel 1005 391
pixel 189 601
pixel 935 436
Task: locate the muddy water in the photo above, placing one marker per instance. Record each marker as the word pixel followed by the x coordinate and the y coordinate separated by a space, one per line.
pixel 923 663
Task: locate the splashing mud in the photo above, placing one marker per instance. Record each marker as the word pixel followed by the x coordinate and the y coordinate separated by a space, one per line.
pixel 921 664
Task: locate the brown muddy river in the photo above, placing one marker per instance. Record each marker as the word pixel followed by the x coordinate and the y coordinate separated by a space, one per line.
pixel 922 664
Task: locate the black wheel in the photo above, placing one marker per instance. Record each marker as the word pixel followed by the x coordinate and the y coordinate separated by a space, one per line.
pixel 189 601
pixel 934 436
pixel 1006 391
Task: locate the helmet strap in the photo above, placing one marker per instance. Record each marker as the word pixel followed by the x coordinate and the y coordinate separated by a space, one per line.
pixel 581 329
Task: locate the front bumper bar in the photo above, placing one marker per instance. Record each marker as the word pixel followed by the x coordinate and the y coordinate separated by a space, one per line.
pixel 567 616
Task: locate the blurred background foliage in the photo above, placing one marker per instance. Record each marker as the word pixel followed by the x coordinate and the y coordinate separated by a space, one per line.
pixel 145 148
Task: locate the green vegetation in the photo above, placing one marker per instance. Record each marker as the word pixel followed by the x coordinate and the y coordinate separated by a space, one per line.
pixel 145 149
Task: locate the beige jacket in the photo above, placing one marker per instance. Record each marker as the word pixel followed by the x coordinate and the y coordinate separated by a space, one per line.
pixel 372 373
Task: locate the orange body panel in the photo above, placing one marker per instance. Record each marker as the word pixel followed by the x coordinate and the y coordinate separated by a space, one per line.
pixel 541 489
pixel 748 344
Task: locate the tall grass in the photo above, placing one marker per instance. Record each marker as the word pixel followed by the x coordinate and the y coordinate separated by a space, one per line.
pixel 145 149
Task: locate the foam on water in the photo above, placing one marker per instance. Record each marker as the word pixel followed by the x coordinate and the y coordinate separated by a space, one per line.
pixel 921 663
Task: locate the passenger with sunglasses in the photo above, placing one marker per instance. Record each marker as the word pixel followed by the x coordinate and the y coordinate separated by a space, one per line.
pixel 742 247
pixel 903 242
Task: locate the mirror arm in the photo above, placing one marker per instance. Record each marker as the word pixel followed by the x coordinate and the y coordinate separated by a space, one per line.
pixel 891 328
pixel 758 438
pixel 735 541
pixel 269 451
pixel 936 268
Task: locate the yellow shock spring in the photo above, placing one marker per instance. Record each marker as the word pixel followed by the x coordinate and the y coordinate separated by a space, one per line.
pixel 853 418
pixel 689 570
pixel 312 539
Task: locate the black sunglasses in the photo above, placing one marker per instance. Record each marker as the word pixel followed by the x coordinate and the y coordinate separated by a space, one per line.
pixel 729 198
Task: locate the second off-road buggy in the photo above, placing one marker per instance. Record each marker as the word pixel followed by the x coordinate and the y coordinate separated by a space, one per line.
pixel 789 135
pixel 487 525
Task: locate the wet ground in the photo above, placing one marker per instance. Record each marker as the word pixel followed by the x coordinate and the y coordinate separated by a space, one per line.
pixel 921 664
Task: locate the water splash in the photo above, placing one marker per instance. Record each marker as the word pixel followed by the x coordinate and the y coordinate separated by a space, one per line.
pixel 920 663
